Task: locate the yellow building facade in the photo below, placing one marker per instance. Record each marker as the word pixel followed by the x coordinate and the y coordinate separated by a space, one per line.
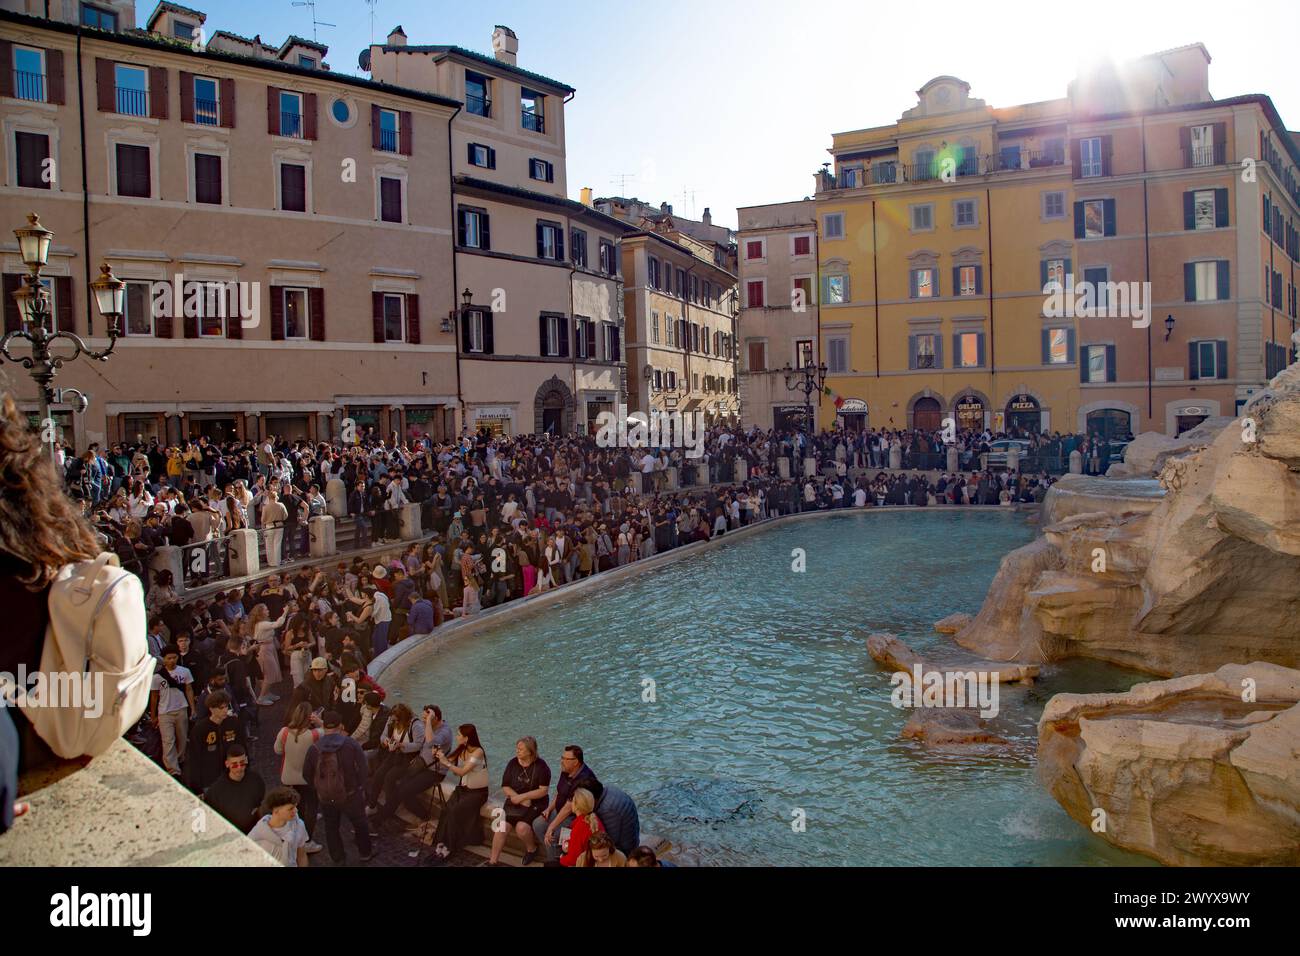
pixel 932 236
pixel 938 237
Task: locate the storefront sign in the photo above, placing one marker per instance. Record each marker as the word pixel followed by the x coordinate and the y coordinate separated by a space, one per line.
pixel 1023 403
pixel 852 406
pixel 494 412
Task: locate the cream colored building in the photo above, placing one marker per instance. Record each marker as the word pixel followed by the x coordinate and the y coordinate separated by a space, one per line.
pixel 541 338
pixel 319 200
pixel 680 301
pixel 779 319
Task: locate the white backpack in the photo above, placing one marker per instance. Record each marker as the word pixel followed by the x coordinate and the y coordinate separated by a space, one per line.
pixel 97 627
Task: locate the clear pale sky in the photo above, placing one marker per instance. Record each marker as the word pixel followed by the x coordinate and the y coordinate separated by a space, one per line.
pixel 723 103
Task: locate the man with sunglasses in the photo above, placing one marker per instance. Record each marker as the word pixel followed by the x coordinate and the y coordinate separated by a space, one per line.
pixel 238 795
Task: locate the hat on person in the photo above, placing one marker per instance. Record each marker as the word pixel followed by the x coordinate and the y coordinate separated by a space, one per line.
pixel 319 664
pixel 379 572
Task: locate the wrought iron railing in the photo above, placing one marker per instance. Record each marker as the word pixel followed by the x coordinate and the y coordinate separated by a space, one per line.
pixel 29 86
pixel 132 102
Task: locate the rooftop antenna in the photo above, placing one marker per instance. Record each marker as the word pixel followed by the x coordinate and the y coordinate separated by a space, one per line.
pixel 371 4
pixel 620 179
pixel 688 196
pixel 311 5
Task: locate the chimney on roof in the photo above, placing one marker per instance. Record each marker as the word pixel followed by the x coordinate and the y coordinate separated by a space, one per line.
pixel 505 44
pixel 708 217
pixel 586 195
pixel 664 207
pixel 397 37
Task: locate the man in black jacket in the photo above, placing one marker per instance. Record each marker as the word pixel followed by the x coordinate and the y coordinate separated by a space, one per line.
pixel 237 796
pixel 211 738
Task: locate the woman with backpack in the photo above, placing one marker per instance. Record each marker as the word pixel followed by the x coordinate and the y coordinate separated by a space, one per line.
pixel 42 533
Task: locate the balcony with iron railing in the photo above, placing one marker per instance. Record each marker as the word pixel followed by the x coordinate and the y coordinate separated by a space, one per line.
pixel 388 140
pixel 533 121
pixel 29 86
pixel 291 124
pixel 1015 159
pixel 892 172
pixel 1215 155
pixel 478 105
pixel 132 102
pixel 206 112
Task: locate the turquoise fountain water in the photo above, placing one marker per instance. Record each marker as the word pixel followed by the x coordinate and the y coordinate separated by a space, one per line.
pixel 767 708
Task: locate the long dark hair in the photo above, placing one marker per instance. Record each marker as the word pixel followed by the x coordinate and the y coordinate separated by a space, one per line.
pixel 470 733
pixel 39 524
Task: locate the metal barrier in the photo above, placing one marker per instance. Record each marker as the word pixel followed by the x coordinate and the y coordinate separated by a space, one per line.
pixel 205 561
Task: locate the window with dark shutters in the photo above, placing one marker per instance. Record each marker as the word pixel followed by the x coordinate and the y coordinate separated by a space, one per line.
pixel 404 133
pixel 590 333
pixel 390 199
pixel 133 177
pixel 207 178
pixel 293 187
pixel 33 150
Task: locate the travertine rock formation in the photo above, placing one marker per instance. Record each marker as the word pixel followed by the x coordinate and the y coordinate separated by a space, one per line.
pixel 952 623
pixel 949 728
pixel 1199 770
pixel 891 654
pixel 1183 576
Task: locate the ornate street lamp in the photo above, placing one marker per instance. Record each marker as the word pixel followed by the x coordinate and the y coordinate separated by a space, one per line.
pixel 33 301
pixel 807 379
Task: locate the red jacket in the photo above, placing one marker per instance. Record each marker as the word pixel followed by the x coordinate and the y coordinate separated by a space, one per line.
pixel 578 839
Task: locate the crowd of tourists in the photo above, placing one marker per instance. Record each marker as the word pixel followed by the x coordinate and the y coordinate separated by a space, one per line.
pixel 505 519
pixel 345 752
pixel 560 507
